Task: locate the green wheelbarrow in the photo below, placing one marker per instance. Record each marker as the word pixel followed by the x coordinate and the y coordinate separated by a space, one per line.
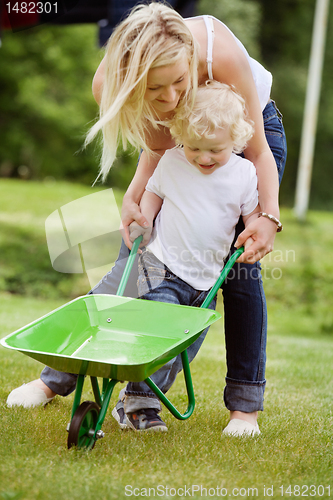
pixel 115 338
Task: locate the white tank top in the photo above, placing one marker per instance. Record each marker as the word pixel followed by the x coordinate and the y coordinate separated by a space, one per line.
pixel 262 78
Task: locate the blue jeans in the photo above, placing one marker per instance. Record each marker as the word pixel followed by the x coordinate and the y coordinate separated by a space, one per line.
pixel 244 308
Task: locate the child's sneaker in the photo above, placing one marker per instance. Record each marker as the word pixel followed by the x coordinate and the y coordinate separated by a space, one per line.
pixel 119 414
pixel 146 419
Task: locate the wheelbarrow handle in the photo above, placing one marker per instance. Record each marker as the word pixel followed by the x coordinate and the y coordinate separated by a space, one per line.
pixel 213 291
pixel 129 265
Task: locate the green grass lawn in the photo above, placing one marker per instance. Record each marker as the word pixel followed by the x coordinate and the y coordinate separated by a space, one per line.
pixel 193 459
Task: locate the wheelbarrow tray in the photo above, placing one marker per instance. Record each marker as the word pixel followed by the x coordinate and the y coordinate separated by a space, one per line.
pixel 111 336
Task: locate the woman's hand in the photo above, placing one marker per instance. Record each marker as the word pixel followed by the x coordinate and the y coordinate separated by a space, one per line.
pixel 263 232
pixel 131 212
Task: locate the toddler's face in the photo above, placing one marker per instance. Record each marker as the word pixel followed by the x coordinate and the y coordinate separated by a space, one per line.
pixel 207 155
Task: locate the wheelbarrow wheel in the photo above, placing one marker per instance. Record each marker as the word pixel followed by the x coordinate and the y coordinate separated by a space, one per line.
pixel 83 425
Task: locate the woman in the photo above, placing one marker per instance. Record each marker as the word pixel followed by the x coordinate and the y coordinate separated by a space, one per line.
pixel 152 59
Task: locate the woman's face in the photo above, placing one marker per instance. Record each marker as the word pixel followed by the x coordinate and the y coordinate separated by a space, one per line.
pixel 166 84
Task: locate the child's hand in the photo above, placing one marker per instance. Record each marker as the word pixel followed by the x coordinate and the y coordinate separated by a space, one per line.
pixel 247 245
pixel 135 230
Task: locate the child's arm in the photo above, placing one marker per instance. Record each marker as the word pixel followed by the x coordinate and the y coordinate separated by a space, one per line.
pixel 150 205
pixel 247 219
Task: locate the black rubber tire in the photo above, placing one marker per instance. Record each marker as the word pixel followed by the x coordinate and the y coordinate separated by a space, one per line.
pixel 84 420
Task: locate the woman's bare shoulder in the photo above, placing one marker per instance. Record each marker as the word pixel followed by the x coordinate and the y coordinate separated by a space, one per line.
pixel 226 51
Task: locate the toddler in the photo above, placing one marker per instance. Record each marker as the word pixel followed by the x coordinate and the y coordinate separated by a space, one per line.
pixel 193 202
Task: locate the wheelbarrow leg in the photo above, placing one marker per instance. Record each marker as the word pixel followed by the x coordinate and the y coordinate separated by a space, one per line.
pixel 96 391
pixel 107 393
pixel 78 393
pixel 189 389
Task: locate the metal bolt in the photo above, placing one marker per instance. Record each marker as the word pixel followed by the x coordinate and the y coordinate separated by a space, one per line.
pixel 186 331
pixel 109 320
pixel 99 434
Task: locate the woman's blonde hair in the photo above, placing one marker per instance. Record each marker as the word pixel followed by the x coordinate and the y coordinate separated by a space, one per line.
pixel 151 36
pixel 216 105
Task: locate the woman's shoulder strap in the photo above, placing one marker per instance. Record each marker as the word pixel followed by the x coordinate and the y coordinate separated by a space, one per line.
pixel 210 41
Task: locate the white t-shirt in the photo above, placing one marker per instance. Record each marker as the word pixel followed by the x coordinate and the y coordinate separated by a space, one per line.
pixel 196 224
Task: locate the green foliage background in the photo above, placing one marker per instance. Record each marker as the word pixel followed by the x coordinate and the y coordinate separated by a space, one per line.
pixel 46 101
pixel 46 105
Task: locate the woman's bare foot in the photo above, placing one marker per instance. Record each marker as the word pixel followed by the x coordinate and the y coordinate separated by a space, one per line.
pixel 39 383
pixel 29 395
pixel 242 424
pixel 248 417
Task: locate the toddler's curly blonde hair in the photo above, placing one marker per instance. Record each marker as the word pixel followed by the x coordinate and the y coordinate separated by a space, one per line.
pixel 216 105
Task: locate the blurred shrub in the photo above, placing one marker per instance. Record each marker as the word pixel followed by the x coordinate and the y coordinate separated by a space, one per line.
pixel 46 102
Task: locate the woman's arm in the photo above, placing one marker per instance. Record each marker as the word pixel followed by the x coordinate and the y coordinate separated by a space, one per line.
pixel 231 66
pixel 97 83
pixel 130 209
